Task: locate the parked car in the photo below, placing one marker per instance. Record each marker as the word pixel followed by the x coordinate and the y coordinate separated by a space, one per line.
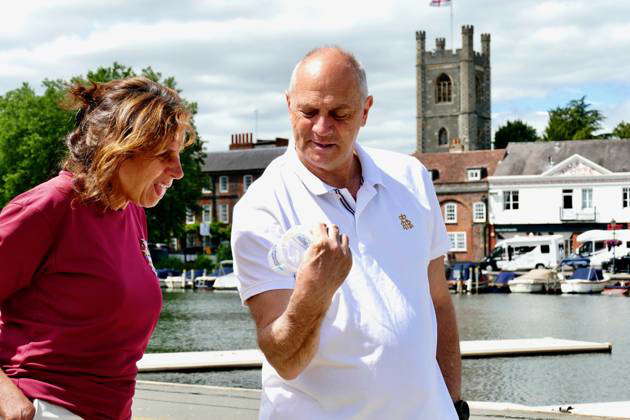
pixel 622 264
pixel 575 261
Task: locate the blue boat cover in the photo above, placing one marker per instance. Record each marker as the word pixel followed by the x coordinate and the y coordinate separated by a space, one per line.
pixel 504 277
pixel 587 273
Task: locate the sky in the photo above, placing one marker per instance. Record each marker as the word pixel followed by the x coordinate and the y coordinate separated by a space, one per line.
pixel 235 57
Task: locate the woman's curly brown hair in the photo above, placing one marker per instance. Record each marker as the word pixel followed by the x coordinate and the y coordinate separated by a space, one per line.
pixel 116 121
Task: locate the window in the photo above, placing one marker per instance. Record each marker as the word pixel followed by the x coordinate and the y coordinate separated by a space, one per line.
pixel 567 199
pixel 206 216
pixel 510 200
pixel 587 198
pixel 247 181
pixel 442 137
pixel 224 217
pixel 450 213
pixel 443 89
pixel 190 217
pixel 457 241
pixel 474 174
pixel 435 174
pixel 223 183
pixel 625 197
pixel 479 212
pixel 545 249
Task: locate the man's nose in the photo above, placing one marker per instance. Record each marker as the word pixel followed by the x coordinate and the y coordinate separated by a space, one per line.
pixel 175 170
pixel 323 125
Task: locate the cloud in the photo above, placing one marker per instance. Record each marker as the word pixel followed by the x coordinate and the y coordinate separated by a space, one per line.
pixel 236 57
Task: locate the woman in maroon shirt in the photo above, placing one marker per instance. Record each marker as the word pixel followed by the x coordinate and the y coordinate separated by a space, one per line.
pixel 78 295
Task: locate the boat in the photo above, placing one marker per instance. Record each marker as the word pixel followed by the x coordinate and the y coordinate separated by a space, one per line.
pixel 616 290
pixel 538 280
pixel 227 282
pixel 500 284
pixel 176 282
pixel 206 281
pixel 584 281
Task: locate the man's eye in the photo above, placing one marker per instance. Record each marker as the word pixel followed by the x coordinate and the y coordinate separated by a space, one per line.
pixel 309 114
pixel 340 116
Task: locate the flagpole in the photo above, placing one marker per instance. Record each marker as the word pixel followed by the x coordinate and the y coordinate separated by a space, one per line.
pixel 452 40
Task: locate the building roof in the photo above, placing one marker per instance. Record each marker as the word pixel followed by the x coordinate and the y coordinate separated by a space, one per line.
pixel 452 166
pixel 241 160
pixel 534 158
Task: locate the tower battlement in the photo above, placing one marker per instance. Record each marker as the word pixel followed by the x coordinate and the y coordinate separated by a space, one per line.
pixel 453 94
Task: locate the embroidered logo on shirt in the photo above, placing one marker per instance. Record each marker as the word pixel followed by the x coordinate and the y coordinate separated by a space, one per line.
pixel 144 247
pixel 404 222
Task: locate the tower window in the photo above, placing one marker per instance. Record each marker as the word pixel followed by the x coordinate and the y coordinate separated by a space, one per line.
pixel 444 89
pixel 442 137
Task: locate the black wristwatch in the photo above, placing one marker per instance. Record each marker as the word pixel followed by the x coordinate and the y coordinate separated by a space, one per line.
pixel 463 412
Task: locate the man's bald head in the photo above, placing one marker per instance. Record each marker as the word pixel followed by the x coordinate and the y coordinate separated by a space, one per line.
pixel 313 61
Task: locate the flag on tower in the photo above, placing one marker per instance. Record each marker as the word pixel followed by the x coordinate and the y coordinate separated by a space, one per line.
pixel 439 3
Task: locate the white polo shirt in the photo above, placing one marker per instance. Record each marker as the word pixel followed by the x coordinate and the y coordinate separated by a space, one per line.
pixel 377 352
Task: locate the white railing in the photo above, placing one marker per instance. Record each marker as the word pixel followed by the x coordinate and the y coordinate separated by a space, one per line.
pixel 582 215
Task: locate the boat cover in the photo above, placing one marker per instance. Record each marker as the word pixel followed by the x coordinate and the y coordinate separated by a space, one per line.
pixel 587 273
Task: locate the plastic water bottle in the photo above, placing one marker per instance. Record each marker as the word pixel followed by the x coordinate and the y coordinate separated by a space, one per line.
pixel 286 255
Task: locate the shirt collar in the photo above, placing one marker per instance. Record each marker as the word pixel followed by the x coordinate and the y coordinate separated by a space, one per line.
pixel 370 172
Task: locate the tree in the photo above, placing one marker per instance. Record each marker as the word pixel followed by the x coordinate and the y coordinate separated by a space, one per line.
pixel 622 131
pixel 573 122
pixel 514 131
pixel 32 129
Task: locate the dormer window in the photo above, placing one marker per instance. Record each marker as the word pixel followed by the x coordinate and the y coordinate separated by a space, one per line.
pixel 474 174
pixel 435 174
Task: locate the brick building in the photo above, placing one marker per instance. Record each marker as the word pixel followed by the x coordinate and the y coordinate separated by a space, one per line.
pixel 460 180
pixel 231 173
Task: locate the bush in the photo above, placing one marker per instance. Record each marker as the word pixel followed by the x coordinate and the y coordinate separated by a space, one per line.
pixel 170 262
pixel 224 252
pixel 204 262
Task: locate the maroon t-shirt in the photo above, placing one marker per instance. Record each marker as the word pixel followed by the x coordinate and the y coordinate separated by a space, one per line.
pixel 78 299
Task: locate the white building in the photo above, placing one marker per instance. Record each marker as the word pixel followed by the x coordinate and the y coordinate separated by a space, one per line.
pixel 560 187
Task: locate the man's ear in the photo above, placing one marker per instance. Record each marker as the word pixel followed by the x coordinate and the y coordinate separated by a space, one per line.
pixel 369 101
pixel 287 97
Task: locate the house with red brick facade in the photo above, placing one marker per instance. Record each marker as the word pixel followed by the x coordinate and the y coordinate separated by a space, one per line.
pixel 460 180
pixel 231 172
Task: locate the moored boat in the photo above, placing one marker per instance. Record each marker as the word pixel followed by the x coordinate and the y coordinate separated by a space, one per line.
pixel 539 280
pixel 584 281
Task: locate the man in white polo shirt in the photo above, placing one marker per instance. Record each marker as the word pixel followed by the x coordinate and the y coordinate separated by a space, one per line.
pixel 366 328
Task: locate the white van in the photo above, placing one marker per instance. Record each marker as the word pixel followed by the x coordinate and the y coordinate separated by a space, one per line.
pixel 597 245
pixel 526 253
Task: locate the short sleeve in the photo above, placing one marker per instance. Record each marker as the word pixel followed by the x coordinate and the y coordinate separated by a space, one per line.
pixel 254 231
pixel 25 239
pixel 439 239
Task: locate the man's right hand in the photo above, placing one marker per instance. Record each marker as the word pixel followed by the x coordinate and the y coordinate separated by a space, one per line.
pixel 13 403
pixel 326 263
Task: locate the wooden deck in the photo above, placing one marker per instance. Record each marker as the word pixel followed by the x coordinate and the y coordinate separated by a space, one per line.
pixel 158 400
pixel 248 359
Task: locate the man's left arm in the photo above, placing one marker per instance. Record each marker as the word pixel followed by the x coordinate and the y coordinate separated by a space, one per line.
pixel 448 355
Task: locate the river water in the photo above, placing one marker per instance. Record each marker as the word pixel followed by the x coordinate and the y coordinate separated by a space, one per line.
pixel 205 320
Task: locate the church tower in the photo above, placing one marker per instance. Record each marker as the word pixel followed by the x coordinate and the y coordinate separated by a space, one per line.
pixel 453 95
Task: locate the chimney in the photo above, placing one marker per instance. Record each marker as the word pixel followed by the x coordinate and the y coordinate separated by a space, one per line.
pixel 241 141
pixel 455 146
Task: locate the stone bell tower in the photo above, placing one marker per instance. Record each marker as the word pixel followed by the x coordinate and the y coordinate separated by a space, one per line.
pixel 453 94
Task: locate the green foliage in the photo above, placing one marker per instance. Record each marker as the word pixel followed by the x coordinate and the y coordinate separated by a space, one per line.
pixel 32 130
pixel 224 252
pixel 204 262
pixel 573 122
pixel 220 232
pixel 514 131
pixel 622 131
pixel 170 262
